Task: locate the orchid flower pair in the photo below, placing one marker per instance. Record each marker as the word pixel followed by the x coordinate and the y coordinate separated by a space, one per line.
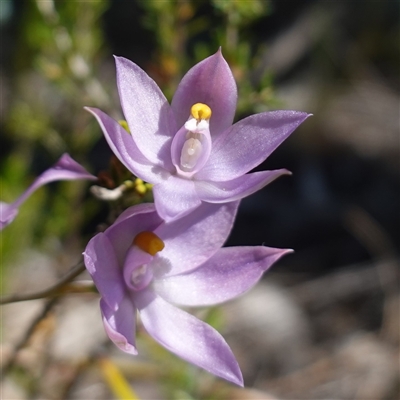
pixel 155 257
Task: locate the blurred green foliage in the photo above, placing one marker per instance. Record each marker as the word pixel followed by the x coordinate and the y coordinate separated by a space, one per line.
pixel 54 77
pixel 188 31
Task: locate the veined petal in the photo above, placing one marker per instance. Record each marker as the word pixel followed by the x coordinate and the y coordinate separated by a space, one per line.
pixel 175 198
pixel 193 239
pixel 209 82
pixel 248 143
pixel 120 324
pixel 123 146
pixel 187 337
pixel 102 264
pixel 64 169
pixel 236 189
pixel 147 112
pixel 228 274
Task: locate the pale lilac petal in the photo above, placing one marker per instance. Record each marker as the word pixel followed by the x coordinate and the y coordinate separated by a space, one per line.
pixel 120 324
pixel 147 112
pixel 210 82
pixel 175 198
pixel 191 240
pixel 132 221
pixel 7 214
pixel 123 146
pixel 248 143
pixel 102 264
pixel 65 169
pixel 187 337
pixel 236 189
pixel 228 274
pixel 142 208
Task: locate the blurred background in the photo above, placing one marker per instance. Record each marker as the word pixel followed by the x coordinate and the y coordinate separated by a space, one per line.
pixel 324 322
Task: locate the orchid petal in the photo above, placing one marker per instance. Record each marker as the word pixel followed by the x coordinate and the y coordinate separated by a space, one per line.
pixel 238 188
pixel 142 208
pixel 132 221
pixel 187 337
pixel 228 274
pixel 191 240
pixel 175 198
pixel 65 169
pixel 102 264
pixel 123 146
pixel 147 112
pixel 248 143
pixel 120 324
pixel 7 214
pixel 210 82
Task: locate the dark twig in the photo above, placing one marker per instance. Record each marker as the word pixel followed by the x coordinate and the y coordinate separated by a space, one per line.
pixel 53 291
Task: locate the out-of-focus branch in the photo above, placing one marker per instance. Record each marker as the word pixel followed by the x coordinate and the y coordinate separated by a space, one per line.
pixel 63 286
pixel 45 311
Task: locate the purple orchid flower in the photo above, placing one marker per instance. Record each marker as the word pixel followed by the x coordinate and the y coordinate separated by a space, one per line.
pixel 144 263
pixel 190 150
pixel 65 169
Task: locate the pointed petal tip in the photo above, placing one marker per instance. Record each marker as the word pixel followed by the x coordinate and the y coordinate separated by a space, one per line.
pixel 120 341
pixel 123 344
pixel 91 110
pixel 282 252
pixel 237 380
pixel 277 253
pixel 119 59
pixel 307 115
pixel 287 251
pixel 286 172
pixel 128 348
pixel 300 114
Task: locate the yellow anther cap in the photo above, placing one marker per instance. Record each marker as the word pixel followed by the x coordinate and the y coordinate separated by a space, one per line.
pixel 148 242
pixel 201 111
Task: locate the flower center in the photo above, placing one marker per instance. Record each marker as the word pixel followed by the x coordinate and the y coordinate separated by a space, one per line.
pixel 148 242
pixel 191 151
pixel 138 275
pixel 191 146
pixel 138 270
